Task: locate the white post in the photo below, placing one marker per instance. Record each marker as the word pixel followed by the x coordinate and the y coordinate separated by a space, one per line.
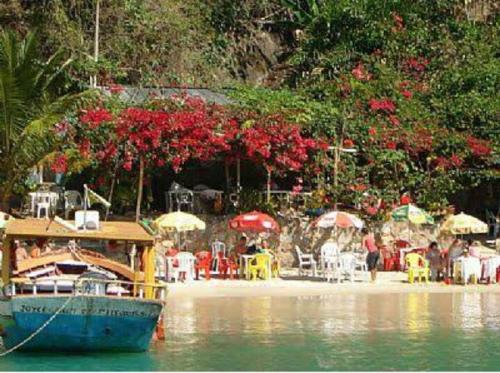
pixel 34 288
pixel 13 290
pixel 96 41
pixel 55 287
pixel 141 293
pixel 133 253
pixel 85 201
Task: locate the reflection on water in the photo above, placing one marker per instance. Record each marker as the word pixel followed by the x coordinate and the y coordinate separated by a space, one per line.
pixel 416 331
pixel 345 331
pixel 333 314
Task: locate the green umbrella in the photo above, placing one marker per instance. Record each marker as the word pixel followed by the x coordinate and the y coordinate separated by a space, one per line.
pixel 411 214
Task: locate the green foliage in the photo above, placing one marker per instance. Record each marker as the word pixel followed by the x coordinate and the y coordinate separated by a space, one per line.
pixel 30 105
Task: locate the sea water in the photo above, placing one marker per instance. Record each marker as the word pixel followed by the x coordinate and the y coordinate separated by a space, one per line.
pixel 416 331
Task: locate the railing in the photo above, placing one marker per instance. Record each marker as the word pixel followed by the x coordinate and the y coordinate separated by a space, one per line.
pixel 91 286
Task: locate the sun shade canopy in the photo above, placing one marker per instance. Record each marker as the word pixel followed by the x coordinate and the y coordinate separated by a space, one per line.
pixel 111 230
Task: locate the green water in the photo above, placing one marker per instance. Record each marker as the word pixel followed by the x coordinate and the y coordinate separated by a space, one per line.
pixel 342 332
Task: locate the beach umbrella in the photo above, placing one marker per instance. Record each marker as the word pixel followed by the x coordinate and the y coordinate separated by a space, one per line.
pixel 338 219
pixel 463 224
pixel 254 222
pixel 412 214
pixel 180 222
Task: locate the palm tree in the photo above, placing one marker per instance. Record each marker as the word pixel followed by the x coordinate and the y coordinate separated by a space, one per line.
pixel 30 106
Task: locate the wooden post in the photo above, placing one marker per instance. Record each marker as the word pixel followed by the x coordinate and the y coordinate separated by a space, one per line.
pixel 139 190
pixel 149 271
pixel 6 260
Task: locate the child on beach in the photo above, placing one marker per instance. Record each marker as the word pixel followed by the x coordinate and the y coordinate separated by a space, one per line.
pixel 373 253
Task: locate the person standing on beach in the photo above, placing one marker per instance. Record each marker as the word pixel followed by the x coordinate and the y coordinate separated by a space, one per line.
pixel 373 253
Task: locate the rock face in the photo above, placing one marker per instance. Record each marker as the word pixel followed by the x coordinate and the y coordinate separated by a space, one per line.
pixel 295 231
pixel 258 58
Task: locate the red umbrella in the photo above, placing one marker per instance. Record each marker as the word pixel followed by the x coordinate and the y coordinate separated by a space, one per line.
pixel 255 222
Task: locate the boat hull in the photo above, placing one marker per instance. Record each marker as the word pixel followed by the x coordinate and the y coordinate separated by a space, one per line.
pixel 86 323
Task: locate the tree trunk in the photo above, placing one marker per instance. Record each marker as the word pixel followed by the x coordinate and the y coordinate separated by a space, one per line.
pixel 238 175
pixel 111 190
pixel 268 197
pixel 226 173
pixel 139 190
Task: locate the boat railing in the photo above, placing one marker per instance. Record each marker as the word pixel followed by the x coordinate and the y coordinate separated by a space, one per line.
pixel 89 286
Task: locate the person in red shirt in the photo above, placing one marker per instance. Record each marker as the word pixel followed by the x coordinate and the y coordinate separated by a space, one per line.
pixel 373 253
pixel 405 199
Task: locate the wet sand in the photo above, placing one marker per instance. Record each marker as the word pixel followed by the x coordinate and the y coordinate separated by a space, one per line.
pixel 292 285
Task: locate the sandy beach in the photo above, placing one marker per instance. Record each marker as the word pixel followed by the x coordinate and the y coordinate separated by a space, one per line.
pixel 291 285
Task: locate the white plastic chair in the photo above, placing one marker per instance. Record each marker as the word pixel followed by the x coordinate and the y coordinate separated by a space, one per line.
pixel 328 252
pixel 72 201
pixel 185 261
pixel 347 266
pixel 217 247
pixel 305 260
pixel 43 204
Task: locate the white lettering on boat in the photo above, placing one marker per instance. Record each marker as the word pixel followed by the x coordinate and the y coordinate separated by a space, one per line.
pixel 87 311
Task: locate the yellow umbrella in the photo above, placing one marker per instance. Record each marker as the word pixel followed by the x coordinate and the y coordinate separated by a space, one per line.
pixel 463 224
pixel 179 221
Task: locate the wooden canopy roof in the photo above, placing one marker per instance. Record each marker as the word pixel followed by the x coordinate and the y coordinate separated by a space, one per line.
pixel 111 265
pixel 110 230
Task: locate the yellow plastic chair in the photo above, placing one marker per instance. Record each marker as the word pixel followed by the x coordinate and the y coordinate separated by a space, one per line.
pixel 275 268
pixel 260 267
pixel 415 269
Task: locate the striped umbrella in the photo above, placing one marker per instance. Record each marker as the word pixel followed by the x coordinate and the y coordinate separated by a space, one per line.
pixel 338 219
pixel 412 214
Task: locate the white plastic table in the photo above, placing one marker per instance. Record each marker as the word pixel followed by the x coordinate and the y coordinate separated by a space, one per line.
pixel 489 268
pixel 465 267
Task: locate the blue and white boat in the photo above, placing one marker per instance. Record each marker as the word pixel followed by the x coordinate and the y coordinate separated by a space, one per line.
pixel 75 300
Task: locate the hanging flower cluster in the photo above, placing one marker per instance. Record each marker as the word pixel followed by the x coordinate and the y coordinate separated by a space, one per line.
pixel 278 145
pixel 93 118
pixel 60 164
pixel 478 147
pixel 183 128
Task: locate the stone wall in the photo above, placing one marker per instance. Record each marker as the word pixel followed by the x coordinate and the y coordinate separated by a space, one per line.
pixel 295 231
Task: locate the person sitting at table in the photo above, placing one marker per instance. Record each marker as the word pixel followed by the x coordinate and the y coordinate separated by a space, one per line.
pixel 252 248
pixel 20 252
pixel 35 250
pixel 433 255
pixel 454 251
pixel 474 249
pixel 241 248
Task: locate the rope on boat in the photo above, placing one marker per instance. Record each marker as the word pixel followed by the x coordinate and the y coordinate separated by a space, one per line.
pixel 40 329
